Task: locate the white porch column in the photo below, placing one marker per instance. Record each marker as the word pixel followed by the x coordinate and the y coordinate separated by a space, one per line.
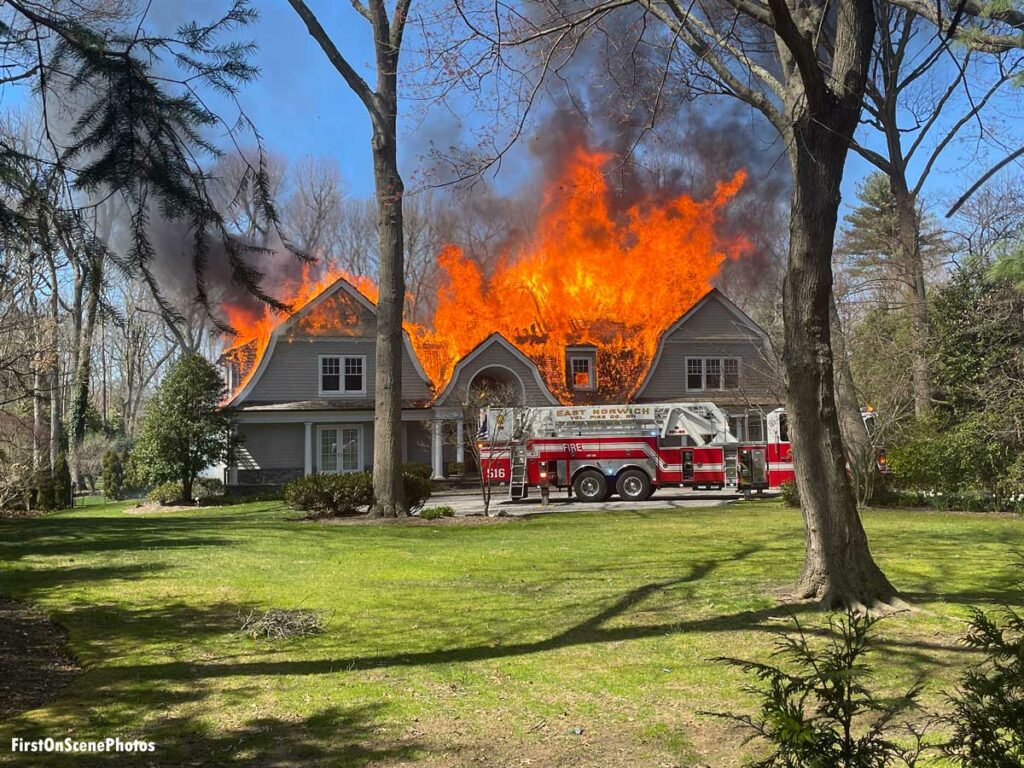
pixel 460 447
pixel 308 465
pixel 437 449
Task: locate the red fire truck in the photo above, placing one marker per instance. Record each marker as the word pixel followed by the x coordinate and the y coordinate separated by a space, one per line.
pixel 595 451
pixel 779 453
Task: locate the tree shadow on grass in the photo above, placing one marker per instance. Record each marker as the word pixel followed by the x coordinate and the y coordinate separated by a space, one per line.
pixel 55 536
pixel 598 628
pixel 334 736
pixel 354 737
pixel 32 584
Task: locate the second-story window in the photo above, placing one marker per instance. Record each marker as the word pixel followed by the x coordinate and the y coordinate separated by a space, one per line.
pixel 342 375
pixel 582 372
pixel 716 373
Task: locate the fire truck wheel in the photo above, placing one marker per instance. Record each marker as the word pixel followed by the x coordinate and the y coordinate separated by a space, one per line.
pixel 590 485
pixel 634 485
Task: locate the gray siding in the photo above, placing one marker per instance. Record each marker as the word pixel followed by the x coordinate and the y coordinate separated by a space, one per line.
pixel 713 331
pixel 270 446
pixel 714 320
pixel 668 380
pixel 495 355
pixel 417 442
pixel 293 374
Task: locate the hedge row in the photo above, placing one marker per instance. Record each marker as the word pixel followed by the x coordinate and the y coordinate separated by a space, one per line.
pixel 348 494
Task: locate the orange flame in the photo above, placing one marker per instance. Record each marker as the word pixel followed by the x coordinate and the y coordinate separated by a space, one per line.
pixel 586 276
pixel 253 327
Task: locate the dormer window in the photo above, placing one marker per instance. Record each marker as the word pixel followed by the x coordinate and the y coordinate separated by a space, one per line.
pixel 342 374
pixel 582 372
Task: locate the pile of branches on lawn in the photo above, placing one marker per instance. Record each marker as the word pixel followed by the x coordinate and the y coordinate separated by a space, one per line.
pixel 280 623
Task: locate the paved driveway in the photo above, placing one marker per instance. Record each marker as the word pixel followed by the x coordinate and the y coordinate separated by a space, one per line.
pixel 469 502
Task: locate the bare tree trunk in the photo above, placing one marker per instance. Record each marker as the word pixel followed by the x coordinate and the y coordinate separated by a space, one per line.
pixel 38 362
pixel 860 452
pixel 838 567
pixel 83 369
pixel 387 438
pixel 909 234
pixel 103 372
pixel 53 375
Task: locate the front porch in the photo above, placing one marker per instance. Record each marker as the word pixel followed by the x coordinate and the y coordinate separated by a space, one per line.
pixel 277 444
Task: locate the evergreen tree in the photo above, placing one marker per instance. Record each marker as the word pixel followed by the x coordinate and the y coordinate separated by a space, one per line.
pixel 184 429
pixel 113 475
pixel 62 491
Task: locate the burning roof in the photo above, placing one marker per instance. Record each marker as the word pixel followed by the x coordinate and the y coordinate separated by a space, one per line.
pixel 588 274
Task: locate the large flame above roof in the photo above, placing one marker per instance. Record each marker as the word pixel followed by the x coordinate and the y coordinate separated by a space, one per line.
pixel 588 274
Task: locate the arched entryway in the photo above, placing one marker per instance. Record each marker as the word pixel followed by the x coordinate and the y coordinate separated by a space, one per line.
pixel 496 385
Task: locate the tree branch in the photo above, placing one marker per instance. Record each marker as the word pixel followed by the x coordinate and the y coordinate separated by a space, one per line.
pixel 354 80
pixel 361 9
pixel 971 36
pixel 985 177
pixel 802 50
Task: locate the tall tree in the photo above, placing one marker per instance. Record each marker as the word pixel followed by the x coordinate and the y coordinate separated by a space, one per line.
pixel 381 103
pixel 804 66
pixel 917 118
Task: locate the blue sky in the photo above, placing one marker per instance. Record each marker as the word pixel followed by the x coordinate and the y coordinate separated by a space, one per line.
pixel 301 105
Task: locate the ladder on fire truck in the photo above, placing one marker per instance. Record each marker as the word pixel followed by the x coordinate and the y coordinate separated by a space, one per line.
pixel 517 475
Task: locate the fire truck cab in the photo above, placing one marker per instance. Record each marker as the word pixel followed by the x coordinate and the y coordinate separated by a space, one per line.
pixel 780 452
pixel 595 451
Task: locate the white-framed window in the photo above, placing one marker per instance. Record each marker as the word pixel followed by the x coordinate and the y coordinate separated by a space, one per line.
pixel 340 449
pixel 342 374
pixel 582 370
pixel 715 373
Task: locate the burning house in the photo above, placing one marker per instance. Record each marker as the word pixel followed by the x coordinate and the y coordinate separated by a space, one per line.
pixel 306 405
pixel 601 305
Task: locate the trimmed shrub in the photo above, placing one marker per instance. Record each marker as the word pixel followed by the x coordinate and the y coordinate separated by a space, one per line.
pixel 417 468
pixel 433 513
pixel 167 493
pixel 417 490
pixel 41 494
pixel 62 498
pixel 206 487
pixel 790 494
pixel 134 478
pixel 113 475
pixel 329 495
pixel 456 469
pixel 346 494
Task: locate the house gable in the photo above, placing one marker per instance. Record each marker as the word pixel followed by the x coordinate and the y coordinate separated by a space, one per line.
pixel 496 354
pixel 338 322
pixel 713 328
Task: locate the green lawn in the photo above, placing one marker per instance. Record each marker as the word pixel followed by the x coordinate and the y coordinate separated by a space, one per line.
pixel 485 645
